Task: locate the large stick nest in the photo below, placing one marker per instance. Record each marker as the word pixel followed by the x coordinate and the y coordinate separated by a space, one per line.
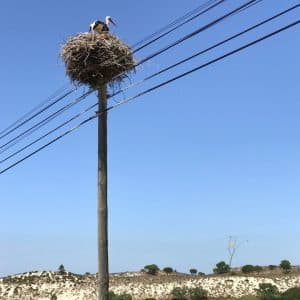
pixel 94 59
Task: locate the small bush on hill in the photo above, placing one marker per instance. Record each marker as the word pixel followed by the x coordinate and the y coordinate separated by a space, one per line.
pixel 193 271
pixel 179 293
pixel 185 293
pixel 198 294
pixel 113 296
pixel 221 268
pixel 61 269
pixel 291 294
pixel 151 269
pixel 248 269
pixel 258 268
pixel 124 297
pixel 272 267
pixel 285 265
pixel 268 291
pixel 168 270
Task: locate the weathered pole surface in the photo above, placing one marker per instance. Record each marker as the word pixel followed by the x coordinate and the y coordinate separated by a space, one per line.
pixel 103 273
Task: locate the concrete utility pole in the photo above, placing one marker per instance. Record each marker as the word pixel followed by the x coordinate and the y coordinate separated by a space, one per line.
pixel 103 273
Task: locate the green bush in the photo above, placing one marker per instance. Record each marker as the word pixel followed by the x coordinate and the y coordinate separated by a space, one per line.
pixel 61 269
pixel 179 293
pixel 184 293
pixel 151 269
pixel 248 269
pixel 168 270
pixel 193 271
pixel 221 268
pixel 285 265
pixel 268 291
pixel 291 294
pixel 272 267
pixel 241 298
pixel 113 296
pixel 258 268
pixel 198 294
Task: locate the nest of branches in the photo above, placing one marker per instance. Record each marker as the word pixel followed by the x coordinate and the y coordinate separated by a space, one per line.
pixel 94 59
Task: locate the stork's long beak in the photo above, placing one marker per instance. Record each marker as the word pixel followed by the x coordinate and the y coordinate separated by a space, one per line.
pixel 112 21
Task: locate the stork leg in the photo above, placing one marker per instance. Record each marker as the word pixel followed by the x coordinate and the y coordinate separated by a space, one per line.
pixel 93 34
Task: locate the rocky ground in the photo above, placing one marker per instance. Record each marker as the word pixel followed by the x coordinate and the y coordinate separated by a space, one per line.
pixel 68 286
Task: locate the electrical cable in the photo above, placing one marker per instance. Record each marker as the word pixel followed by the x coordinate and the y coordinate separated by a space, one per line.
pixel 36 114
pixel 38 125
pixel 173 23
pixel 38 106
pixel 241 8
pixel 178 63
pixel 154 88
pixel 11 128
pixel 205 50
pixel 49 132
pixel 196 32
pixel 180 25
pixel 204 65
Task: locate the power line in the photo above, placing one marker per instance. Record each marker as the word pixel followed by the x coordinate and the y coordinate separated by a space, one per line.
pixel 49 132
pixel 241 8
pixel 38 113
pixel 160 72
pixel 180 25
pixel 204 65
pixel 48 144
pixel 19 137
pixel 206 50
pixel 156 54
pixel 54 95
pixel 200 8
pixel 45 121
pixel 25 118
pixel 173 23
pixel 196 32
pixel 157 87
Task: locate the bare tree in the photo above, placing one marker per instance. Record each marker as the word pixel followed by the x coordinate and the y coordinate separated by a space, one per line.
pixel 233 245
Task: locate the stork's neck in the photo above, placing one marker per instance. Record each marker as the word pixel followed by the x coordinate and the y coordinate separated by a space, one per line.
pixel 107 21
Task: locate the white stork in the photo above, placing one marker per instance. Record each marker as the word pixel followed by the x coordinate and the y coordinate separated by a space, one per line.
pixel 100 26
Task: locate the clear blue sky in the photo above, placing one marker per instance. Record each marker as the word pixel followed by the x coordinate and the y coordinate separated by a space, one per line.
pixel 212 155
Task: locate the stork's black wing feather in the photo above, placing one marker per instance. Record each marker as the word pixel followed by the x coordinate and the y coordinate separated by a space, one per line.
pixel 105 28
pixel 99 23
pixel 102 26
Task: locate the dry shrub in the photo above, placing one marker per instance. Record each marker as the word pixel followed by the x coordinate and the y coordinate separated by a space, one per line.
pixel 94 59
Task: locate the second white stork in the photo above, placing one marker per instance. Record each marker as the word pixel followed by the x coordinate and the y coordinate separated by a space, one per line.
pixel 100 26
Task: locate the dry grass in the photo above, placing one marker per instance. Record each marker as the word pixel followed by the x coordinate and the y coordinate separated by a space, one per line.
pixel 94 59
